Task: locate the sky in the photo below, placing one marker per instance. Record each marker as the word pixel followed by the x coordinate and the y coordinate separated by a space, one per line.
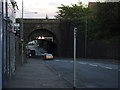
pixel 41 8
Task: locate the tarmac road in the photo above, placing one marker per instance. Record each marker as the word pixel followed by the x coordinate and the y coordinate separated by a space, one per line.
pixel 90 73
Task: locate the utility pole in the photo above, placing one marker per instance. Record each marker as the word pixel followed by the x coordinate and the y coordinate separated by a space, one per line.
pixel 86 32
pixel 74 62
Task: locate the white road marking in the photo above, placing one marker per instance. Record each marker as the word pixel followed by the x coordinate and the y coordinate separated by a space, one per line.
pixel 62 61
pixel 106 67
pixel 82 63
pixel 89 64
pixel 57 60
pixel 93 65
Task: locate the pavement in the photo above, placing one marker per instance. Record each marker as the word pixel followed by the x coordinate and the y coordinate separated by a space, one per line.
pixel 36 74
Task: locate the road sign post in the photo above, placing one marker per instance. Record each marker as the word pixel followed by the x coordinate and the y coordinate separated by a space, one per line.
pixel 74 62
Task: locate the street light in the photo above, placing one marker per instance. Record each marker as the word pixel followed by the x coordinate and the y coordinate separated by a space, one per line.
pixel 86 35
pixel 22 40
pixel 22 32
pixel 86 31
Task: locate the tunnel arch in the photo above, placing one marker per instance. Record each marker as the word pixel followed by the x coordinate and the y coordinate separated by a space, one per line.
pixel 41 32
pixel 49 43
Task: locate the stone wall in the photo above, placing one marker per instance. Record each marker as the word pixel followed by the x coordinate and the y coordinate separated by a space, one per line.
pixel 63 31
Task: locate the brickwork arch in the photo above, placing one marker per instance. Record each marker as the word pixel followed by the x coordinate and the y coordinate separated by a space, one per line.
pixel 57 28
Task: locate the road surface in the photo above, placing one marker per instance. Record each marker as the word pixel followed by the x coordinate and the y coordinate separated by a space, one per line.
pixel 90 74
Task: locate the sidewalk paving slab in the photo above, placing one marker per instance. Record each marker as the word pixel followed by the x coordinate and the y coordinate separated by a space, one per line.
pixel 35 74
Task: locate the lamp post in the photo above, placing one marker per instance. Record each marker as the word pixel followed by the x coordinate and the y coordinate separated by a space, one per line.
pixel 22 32
pixel 22 40
pixel 86 33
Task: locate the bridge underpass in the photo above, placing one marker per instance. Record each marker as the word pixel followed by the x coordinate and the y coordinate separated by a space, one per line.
pixel 62 33
pixel 45 39
pixel 56 32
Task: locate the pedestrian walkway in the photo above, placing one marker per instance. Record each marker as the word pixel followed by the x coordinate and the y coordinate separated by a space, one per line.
pixel 35 74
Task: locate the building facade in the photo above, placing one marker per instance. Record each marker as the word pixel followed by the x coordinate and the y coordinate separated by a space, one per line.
pixel 7 40
pixel 0 44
